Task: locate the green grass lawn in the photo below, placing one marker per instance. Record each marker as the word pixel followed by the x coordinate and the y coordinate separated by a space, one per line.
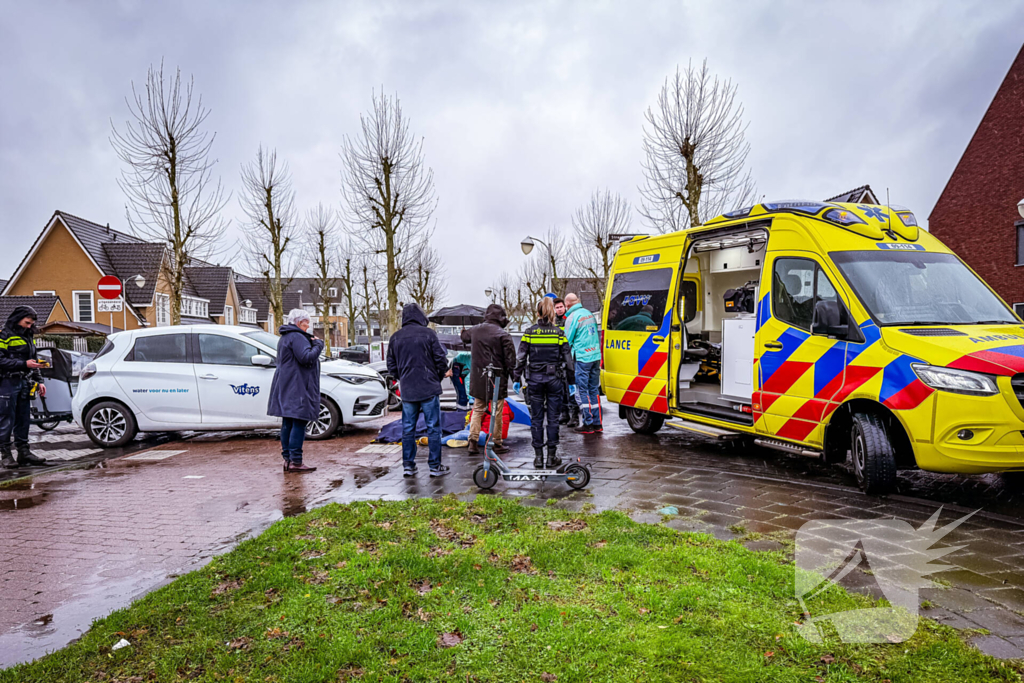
pixel 490 591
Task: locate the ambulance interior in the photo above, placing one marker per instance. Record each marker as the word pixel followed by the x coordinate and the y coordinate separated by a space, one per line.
pixel 716 372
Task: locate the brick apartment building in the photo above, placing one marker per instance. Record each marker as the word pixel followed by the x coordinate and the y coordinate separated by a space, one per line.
pixel 977 215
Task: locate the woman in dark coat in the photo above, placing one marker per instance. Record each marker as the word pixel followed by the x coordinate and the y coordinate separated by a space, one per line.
pixel 295 391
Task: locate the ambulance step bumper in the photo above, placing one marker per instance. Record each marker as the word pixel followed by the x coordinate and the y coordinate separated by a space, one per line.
pixel 704 430
pixel 787 447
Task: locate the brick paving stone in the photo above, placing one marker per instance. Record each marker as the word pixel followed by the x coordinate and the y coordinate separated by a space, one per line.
pixel 995 646
pixel 999 622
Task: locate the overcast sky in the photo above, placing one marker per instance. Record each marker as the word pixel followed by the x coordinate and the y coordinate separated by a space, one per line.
pixel 525 107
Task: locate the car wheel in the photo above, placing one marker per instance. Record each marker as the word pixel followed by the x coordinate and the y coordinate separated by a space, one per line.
pixel 110 424
pixel 644 421
pixel 326 423
pixel 874 461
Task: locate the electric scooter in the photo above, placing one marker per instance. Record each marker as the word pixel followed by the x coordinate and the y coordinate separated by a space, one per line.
pixel 575 474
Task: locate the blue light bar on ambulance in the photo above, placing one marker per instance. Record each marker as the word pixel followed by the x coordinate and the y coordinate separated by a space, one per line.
pixel 739 213
pixel 795 205
pixel 843 217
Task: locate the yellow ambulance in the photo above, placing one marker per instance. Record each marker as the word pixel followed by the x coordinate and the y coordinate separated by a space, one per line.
pixel 820 329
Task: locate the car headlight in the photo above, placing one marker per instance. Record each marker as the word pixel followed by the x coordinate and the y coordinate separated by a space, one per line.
pixel 87 372
pixel 956 381
pixel 351 379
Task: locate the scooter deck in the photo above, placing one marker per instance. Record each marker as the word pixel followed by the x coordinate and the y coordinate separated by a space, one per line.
pixel 531 475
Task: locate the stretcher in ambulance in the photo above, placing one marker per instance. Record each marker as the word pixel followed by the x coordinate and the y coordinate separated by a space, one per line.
pixel 827 330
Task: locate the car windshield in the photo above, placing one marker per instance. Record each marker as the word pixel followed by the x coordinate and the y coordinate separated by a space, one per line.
pixel 264 338
pixel 904 287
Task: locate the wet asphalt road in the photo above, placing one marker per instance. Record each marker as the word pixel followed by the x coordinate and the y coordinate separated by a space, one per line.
pixel 82 542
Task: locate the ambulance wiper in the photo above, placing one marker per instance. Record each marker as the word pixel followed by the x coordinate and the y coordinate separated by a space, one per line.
pixel 991 322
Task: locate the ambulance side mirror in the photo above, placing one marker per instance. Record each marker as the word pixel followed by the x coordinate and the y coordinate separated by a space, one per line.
pixel 832 319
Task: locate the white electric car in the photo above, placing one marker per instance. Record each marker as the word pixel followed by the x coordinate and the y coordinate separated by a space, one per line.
pixel 207 378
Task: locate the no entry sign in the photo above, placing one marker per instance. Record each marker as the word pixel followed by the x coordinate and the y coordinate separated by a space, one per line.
pixel 109 287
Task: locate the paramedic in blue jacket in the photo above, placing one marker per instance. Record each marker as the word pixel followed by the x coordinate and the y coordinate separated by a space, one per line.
pixel 581 332
pixel 295 390
pixel 417 359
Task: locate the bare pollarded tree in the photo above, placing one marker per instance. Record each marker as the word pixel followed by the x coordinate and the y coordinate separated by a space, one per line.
pixel 268 201
pixel 695 151
pixel 548 262
pixel 596 226
pixel 348 283
pixel 321 231
pixel 510 292
pixel 388 191
pixel 168 174
pixel 426 283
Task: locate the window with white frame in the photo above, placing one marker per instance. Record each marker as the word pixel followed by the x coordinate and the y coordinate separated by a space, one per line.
pixel 333 291
pixel 229 315
pixel 334 310
pixel 247 315
pixel 163 310
pixel 44 292
pixel 83 306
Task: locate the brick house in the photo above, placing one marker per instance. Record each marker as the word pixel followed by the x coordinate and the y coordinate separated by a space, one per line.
pixel 300 294
pixel 976 214
pixel 71 254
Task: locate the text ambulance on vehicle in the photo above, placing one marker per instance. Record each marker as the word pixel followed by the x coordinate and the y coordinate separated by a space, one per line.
pixel 818 329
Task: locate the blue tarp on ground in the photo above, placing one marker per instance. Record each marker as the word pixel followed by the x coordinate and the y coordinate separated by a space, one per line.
pixel 452 421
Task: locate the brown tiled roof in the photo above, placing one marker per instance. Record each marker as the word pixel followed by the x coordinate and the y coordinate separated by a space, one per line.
pixel 42 305
pixel 854 195
pixel 129 260
pixel 253 291
pixel 211 282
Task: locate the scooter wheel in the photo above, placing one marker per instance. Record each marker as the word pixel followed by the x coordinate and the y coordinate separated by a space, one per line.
pixel 485 479
pixel 577 476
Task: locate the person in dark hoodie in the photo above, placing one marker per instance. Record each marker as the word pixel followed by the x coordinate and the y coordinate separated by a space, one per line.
pixel 489 344
pixel 19 369
pixel 417 359
pixel 295 390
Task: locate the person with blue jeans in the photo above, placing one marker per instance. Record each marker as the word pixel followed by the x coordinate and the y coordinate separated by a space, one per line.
pixel 417 359
pixel 582 333
pixel 295 389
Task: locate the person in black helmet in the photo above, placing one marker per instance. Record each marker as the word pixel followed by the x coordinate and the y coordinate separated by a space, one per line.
pixel 19 368
pixel 545 362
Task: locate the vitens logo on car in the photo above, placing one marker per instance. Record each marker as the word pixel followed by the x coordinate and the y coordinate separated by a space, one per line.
pixel 244 389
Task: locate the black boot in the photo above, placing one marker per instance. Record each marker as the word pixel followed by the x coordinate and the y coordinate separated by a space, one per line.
pixel 26 459
pixel 7 461
pixel 473 448
pixel 553 460
pixel 538 458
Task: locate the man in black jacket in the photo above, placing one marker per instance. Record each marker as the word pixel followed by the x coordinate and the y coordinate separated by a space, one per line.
pixel 416 358
pixel 489 344
pixel 19 369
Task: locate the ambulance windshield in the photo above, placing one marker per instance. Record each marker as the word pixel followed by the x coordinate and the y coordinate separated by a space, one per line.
pixel 912 287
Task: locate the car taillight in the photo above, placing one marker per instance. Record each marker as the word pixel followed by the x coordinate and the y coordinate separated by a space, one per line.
pixel 87 372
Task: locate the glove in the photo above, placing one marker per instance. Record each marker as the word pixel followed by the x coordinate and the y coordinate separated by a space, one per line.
pixel 572 389
pixel 516 387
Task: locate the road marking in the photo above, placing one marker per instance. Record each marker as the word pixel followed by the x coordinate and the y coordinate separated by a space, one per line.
pixel 382 448
pixel 154 455
pixel 193 476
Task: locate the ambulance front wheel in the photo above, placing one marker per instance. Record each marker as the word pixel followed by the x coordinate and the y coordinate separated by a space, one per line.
pixel 644 421
pixel 485 479
pixel 874 460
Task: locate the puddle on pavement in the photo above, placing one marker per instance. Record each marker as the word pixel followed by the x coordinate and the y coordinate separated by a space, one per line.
pixel 21 495
pixel 364 475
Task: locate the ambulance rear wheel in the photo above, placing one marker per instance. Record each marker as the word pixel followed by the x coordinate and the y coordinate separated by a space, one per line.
pixel 874 460
pixel 644 421
pixel 485 479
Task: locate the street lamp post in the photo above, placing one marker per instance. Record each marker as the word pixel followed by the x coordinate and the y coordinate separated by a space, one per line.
pixel 527 247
